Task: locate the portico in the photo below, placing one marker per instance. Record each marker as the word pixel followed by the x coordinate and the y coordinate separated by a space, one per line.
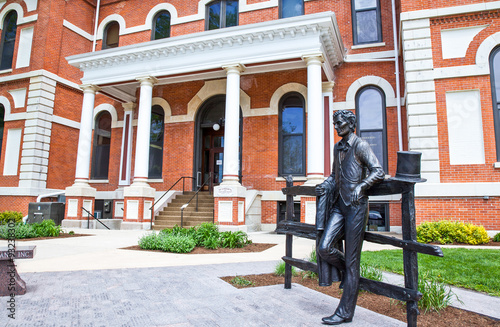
pixel 310 42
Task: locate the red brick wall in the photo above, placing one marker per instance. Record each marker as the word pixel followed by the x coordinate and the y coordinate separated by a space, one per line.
pixel 269 212
pixel 62 157
pixel 477 211
pixel 16 203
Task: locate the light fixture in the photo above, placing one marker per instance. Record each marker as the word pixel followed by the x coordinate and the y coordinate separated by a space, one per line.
pixel 216 127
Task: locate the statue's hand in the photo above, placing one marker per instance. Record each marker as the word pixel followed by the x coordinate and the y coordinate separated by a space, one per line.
pixel 320 190
pixel 357 194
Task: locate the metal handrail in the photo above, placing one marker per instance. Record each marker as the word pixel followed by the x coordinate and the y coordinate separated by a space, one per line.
pixel 161 197
pixel 88 219
pixel 196 195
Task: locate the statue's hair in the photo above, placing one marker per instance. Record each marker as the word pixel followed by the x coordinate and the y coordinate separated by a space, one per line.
pixel 348 116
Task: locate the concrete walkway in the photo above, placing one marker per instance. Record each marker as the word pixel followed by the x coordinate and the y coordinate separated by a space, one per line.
pixel 91 281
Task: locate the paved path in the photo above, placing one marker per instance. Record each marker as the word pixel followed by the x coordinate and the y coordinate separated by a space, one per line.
pixel 90 281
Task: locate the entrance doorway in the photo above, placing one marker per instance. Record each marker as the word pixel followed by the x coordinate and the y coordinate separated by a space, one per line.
pixel 209 142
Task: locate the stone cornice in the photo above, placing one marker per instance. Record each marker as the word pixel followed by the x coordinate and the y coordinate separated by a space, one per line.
pixel 192 52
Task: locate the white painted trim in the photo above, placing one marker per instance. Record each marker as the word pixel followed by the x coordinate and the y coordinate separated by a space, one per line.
pixel 65 122
pixel 128 146
pixel 370 45
pixel 457 189
pixel 37 73
pixel 31 4
pixel 78 30
pixel 109 108
pixel 24 191
pixel 20 14
pixel 114 17
pixel 24 47
pixel 370 55
pixel 12 151
pixel 164 104
pixel 350 103
pixel 156 9
pixel 19 97
pixel 284 89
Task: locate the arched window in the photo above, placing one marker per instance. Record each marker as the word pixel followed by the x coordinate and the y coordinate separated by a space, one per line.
pixel 156 142
pixel 9 30
pixel 292 151
pixel 366 21
pixel 111 35
pixel 370 112
pixel 2 122
pixel 495 92
pixel 102 142
pixel 291 8
pixel 161 26
pixel 221 13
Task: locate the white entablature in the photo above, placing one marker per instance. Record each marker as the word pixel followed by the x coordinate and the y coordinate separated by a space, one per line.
pixel 268 46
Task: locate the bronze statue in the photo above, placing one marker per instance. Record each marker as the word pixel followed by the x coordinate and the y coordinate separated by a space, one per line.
pixel 343 214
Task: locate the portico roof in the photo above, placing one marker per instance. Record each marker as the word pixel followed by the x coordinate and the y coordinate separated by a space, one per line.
pixel 262 47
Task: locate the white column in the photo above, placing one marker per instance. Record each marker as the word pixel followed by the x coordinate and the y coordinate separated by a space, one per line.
pixel 85 138
pixel 232 125
pixel 315 120
pixel 143 130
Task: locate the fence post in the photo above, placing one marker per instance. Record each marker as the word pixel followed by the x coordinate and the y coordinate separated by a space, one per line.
pixel 289 237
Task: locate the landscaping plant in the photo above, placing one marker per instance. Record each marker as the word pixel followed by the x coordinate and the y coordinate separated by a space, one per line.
pixel 496 238
pixel 446 232
pixel 436 296
pixel 240 281
pixel 10 216
pixel 279 270
pixel 46 228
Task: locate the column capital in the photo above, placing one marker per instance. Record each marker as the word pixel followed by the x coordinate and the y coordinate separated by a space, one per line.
pixel 151 80
pixel 239 68
pixel 129 106
pixel 90 88
pixel 314 58
pixel 328 86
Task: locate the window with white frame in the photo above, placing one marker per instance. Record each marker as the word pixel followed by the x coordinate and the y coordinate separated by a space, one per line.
pixel 366 21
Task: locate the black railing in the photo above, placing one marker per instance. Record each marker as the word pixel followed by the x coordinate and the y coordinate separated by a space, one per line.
pixel 210 181
pixel 88 219
pixel 183 178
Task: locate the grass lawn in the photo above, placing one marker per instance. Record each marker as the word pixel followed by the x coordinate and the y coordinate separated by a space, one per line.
pixel 476 269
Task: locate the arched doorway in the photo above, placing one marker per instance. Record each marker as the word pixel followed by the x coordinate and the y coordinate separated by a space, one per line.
pixel 209 142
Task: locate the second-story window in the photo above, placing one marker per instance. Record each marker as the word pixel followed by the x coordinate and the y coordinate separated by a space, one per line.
pixel 291 8
pixel 161 26
pixel 366 22
pixel 9 31
pixel 111 35
pixel 222 13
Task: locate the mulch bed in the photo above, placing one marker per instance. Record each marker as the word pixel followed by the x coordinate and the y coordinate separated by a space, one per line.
pixel 253 247
pixel 62 235
pixel 380 304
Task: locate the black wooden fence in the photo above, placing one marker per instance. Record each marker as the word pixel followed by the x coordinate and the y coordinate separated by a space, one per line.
pixel 409 293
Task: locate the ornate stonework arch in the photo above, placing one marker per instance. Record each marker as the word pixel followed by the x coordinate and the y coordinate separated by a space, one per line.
pixel 114 17
pixel 164 104
pixel 156 9
pixel 384 85
pixel 284 89
pixel 109 108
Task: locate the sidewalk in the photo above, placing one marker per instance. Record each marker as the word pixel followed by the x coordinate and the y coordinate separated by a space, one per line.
pixel 90 281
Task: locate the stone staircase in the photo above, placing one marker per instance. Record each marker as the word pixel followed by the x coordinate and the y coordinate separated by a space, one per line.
pixel 171 215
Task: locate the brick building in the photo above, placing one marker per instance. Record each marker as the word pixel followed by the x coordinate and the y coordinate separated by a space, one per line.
pixel 108 103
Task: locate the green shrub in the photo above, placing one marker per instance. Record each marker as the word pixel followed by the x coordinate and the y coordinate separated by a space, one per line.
pixel 20 231
pixel 149 241
pixel 436 296
pixel 279 270
pixel 240 281
pixel 9 216
pixel 446 232
pixel 233 240
pixel 168 242
pixel 46 228
pixel 207 235
pixel 496 238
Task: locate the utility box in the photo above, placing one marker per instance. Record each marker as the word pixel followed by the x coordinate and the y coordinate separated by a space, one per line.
pixel 39 211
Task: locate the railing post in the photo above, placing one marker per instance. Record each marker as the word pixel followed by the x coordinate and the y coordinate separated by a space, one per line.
pixel 289 237
pixel 88 220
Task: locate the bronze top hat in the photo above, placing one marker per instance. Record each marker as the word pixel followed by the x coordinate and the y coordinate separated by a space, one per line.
pixel 408 169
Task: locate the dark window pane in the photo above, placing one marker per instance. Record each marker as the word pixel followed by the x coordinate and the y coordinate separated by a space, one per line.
pixel 231 13
pixel 366 26
pixel 292 120
pixel 2 117
pixel 376 141
pixel 8 40
pixel 112 35
pixel 162 26
pixel 102 142
pixel 214 16
pixel 496 70
pixel 291 8
pixel 292 154
pixel 156 143
pixel 370 110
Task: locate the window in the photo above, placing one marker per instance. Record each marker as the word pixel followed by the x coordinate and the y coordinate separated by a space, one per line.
pixel 9 30
pixel 291 8
pixel 366 22
pixel 156 142
pixel 161 26
pixel 102 142
pixel 370 112
pixel 291 135
pixel 495 91
pixel 2 122
pixel 220 14
pixel 111 35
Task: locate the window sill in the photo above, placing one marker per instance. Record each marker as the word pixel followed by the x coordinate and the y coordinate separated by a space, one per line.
pixel 99 181
pixel 369 45
pixel 295 179
pixel 496 165
pixel 6 71
pixel 158 180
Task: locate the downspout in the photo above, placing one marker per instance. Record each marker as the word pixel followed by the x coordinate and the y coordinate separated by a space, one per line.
pixel 96 23
pixel 396 62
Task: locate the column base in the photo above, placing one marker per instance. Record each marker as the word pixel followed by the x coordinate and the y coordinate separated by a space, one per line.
pixel 79 195
pixel 313 180
pixel 229 205
pixel 139 198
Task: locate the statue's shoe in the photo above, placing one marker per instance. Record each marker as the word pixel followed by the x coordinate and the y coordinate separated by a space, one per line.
pixel 335 320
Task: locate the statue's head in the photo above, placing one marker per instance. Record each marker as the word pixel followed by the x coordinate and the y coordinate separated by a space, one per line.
pixel 344 122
